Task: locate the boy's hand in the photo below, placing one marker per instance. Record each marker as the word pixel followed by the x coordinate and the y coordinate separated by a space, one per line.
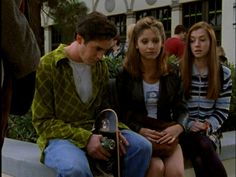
pixel 123 144
pixel 95 149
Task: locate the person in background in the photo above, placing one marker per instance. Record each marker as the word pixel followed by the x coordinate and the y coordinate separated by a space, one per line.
pixel 221 53
pixel 117 51
pixel 207 86
pixel 20 56
pixel 175 44
pixel 149 92
pixel 71 89
pixel 130 29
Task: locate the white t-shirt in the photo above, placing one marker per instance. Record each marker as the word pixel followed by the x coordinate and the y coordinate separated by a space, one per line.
pixel 151 96
pixel 83 80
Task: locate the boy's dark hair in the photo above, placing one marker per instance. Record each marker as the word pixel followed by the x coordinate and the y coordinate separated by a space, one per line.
pixel 179 29
pixel 96 26
pixel 117 38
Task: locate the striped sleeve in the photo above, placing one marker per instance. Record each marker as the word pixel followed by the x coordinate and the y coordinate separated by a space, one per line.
pixel 222 104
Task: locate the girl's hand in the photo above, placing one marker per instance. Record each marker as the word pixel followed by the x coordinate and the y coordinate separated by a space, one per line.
pixel 170 134
pixel 198 126
pixel 151 135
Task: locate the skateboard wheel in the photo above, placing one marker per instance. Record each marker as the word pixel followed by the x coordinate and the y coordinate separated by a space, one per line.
pixel 108 144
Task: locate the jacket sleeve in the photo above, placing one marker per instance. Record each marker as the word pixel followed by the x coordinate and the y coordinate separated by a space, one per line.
pixel 179 106
pixel 222 104
pixel 18 44
pixel 181 109
pixel 126 112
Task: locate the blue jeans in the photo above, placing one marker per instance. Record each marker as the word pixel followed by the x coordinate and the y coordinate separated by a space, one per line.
pixel 71 161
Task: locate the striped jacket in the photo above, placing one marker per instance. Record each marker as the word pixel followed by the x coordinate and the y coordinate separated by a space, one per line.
pixel 213 111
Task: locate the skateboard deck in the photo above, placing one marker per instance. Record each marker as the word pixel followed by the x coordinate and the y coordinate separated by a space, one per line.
pixel 107 125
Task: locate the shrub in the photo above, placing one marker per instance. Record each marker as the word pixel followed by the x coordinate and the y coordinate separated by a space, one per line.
pixel 230 123
pixel 21 128
pixel 113 65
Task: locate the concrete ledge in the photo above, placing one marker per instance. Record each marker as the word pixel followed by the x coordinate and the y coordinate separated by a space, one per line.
pixel 21 159
pixel 228 145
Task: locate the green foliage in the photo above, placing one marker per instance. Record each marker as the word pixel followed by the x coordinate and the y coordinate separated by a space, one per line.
pixel 21 128
pixel 233 98
pixel 113 65
pixel 173 59
pixel 230 123
pixel 66 14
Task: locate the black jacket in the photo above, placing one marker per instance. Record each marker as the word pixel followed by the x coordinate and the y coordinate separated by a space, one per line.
pixel 171 104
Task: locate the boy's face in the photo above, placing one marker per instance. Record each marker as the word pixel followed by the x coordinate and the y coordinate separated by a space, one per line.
pixel 93 51
pixel 183 36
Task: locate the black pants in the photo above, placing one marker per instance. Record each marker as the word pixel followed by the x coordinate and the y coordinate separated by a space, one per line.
pixel 202 153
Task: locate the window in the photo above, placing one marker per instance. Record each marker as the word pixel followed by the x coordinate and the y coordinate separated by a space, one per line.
pixel 210 11
pixel 215 17
pixel 163 14
pixel 120 22
pixel 215 12
pixel 192 13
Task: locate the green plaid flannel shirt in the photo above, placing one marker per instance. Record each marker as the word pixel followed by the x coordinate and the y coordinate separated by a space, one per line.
pixel 58 112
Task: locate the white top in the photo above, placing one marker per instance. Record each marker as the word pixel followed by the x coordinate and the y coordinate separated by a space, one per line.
pixel 83 80
pixel 202 73
pixel 151 96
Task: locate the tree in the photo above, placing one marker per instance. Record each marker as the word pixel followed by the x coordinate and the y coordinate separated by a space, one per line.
pixel 66 14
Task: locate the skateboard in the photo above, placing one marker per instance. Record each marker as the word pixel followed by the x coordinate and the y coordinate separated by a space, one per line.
pixel 107 125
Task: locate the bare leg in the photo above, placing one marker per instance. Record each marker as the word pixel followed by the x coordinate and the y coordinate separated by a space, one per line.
pixel 156 168
pixel 174 165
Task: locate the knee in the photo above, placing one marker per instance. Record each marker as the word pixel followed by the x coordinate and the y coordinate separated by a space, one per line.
pixel 206 145
pixel 179 172
pixel 145 149
pixel 139 145
pixel 156 168
pixel 175 171
pixel 157 165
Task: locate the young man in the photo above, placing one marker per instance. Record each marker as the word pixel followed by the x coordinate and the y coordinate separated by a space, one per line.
pixel 175 44
pixel 71 88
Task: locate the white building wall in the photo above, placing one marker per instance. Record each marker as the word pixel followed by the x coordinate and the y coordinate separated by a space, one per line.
pixel 107 7
pixel 143 4
pixel 123 6
pixel 47 39
pixel 229 30
pixel 111 7
pixel 176 17
pixel 45 19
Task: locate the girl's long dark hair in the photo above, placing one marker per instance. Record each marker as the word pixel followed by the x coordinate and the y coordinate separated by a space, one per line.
pixel 132 61
pixel 213 64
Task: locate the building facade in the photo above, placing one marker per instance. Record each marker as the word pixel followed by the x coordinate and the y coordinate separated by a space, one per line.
pixel 221 14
